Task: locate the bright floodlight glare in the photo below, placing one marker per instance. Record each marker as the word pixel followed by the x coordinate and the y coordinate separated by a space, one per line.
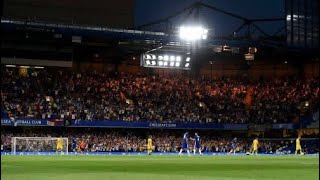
pixel 148 56
pixel 187 65
pixel 160 57
pixel 153 62
pixel 39 67
pixel 171 63
pixel 166 57
pixel 160 63
pixel 172 58
pixel 165 63
pixel 188 59
pixel 148 62
pixel 193 33
pixel 177 64
pixel 178 58
pixel 306 103
pixel 154 57
pixel 9 65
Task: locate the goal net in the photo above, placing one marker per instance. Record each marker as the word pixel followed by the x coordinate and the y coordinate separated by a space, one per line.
pixel 37 145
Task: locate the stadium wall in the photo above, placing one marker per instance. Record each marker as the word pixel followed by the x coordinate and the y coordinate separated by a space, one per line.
pixel 219 69
pixel 262 69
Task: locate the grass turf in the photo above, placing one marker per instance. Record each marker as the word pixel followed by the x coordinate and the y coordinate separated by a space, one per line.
pixel 159 167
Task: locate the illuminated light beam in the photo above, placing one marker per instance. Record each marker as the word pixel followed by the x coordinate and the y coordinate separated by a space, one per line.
pixel 192 33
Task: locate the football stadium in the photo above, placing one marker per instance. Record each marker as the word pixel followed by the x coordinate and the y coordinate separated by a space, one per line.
pixel 161 90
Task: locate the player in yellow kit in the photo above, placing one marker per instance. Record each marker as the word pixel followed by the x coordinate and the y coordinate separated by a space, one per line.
pixel 298 146
pixel 149 145
pixel 59 145
pixel 255 145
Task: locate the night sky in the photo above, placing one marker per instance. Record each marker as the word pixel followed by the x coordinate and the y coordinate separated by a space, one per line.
pixel 151 10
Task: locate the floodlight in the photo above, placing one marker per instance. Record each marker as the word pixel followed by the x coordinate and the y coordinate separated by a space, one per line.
pixel 154 57
pixel 187 65
pixel 39 67
pixel 171 63
pixel 148 62
pixel 177 64
pixel 166 57
pixel 288 17
pixel 153 62
pixel 188 59
pixel 10 65
pixel 178 58
pixel 165 63
pixel 172 58
pixel 160 57
pixel 193 33
pixel 160 63
pixel 148 57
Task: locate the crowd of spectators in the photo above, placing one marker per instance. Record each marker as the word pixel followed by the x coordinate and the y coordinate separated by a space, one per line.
pixel 139 97
pixel 112 140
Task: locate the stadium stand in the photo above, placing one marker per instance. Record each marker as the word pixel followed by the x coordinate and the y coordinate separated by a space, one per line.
pixel 130 89
pixel 140 97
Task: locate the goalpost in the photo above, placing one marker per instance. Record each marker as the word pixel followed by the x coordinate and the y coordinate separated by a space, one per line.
pixel 37 145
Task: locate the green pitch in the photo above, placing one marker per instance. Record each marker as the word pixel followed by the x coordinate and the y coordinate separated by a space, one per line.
pixel 159 168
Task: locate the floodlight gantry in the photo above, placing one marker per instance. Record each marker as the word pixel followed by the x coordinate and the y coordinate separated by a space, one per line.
pixel 249 23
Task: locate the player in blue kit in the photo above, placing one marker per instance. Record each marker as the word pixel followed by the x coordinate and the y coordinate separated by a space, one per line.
pixel 74 144
pixel 185 144
pixel 233 145
pixel 197 145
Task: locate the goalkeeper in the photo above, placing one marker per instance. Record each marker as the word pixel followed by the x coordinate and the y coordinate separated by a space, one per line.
pixel 59 145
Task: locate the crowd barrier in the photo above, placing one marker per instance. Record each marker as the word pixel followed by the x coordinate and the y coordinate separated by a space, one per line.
pixel 140 154
pixel 125 124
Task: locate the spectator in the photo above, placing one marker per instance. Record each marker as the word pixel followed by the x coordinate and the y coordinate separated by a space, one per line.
pixel 127 97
